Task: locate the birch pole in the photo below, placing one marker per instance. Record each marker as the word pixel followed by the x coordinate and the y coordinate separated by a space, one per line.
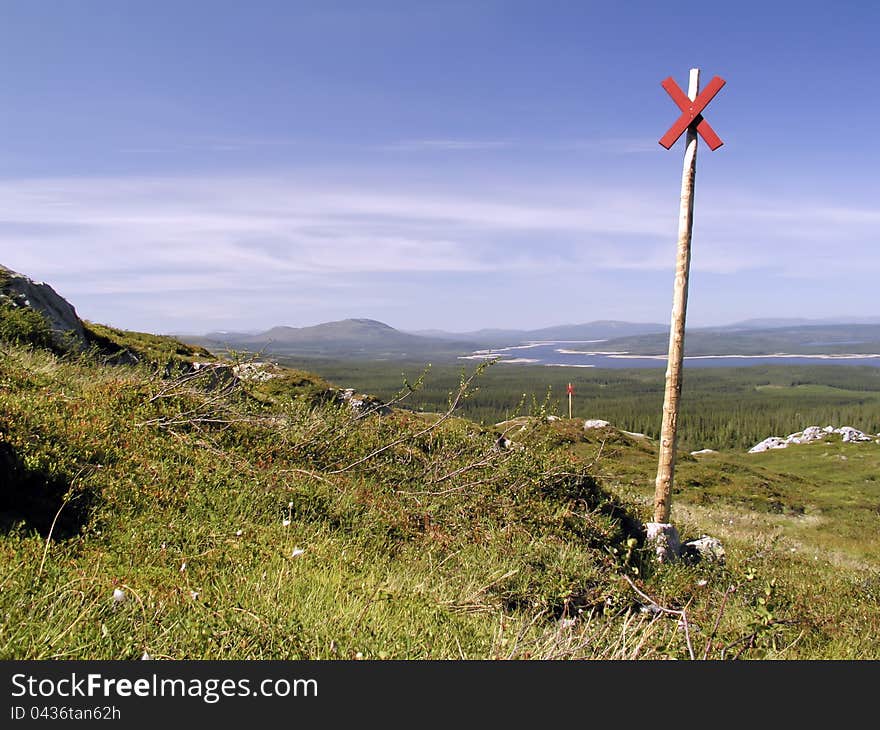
pixel 672 394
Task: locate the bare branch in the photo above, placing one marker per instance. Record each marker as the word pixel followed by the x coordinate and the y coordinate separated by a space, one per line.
pixel 681 613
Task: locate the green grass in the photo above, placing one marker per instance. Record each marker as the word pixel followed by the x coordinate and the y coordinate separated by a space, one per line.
pixel 803 518
pixel 22 325
pixel 420 538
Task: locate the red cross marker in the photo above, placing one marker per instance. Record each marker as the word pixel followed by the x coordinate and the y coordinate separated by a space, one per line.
pixel 691 113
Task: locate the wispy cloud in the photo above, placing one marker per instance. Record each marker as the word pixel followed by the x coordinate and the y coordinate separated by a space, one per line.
pixel 283 241
pixel 604 145
pixel 451 145
pixel 608 145
pixel 216 144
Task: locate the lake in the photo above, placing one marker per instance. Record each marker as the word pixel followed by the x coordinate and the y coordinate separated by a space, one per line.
pixel 579 354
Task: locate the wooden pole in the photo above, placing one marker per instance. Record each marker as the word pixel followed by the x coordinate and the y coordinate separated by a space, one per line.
pixel 669 428
pixel 569 401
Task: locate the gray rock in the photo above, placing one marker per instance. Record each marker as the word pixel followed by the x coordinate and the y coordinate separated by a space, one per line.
pixel 852 435
pixel 258 372
pixel 362 404
pixel 811 433
pixel 595 423
pixel 773 442
pixel 705 548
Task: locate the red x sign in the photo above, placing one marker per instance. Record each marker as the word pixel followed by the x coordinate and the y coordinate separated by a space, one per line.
pixel 691 113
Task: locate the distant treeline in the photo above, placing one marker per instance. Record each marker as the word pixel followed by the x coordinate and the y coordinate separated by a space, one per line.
pixel 722 408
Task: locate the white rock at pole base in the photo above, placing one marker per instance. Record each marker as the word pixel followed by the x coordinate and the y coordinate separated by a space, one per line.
pixel 664 538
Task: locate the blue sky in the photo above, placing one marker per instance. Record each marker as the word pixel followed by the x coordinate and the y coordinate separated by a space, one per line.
pixel 187 166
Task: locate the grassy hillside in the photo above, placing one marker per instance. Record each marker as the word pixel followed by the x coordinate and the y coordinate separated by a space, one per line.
pixel 155 349
pixel 269 520
pixel 195 502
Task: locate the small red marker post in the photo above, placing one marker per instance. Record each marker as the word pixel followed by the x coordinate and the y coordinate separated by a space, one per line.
pixel 692 105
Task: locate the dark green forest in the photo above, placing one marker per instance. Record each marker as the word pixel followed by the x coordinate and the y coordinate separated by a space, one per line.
pixel 722 408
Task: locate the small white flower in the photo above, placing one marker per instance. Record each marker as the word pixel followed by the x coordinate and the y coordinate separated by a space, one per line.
pixel 183 566
pixel 290 505
pixel 359 655
pixel 702 583
pixel 194 595
pixel 285 523
pixel 146 657
pixel 118 595
pixel 297 552
pixel 239 533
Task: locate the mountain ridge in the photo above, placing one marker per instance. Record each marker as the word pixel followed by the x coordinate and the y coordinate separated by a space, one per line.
pixel 373 339
pixel 361 336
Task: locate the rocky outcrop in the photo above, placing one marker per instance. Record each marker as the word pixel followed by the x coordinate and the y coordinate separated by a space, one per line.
pixel 66 327
pixel 771 442
pixel 811 433
pixel 257 372
pixel 595 423
pixel 363 404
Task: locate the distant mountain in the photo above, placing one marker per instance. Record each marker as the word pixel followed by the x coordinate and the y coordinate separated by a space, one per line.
pixel 598 330
pixel 798 340
pixel 782 322
pixel 352 338
pixel 475 337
